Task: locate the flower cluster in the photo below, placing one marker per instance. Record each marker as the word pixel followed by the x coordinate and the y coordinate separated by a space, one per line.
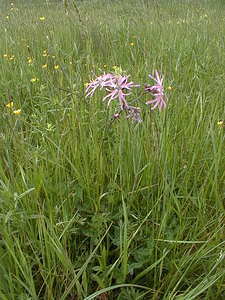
pixel 156 91
pixel 119 87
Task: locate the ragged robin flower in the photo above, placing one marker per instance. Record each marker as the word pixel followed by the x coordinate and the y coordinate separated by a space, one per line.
pixel 101 81
pixel 134 113
pixel 118 87
pixel 156 91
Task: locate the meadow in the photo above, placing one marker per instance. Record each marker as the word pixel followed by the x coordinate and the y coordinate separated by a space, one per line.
pixel 124 210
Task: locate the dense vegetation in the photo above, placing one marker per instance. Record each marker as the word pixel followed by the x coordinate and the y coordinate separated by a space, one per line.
pixel 129 211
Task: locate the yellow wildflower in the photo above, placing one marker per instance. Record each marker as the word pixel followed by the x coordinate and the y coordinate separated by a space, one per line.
pixel 11 4
pixel 42 18
pixel 170 88
pixel 17 112
pixel 105 66
pixel 56 67
pixel 10 104
pixel 53 56
pixel 86 84
pixel 132 44
pixel 11 8
pixel 44 53
pixel 33 80
pixel 118 70
pixel 5 55
pixel 7 17
pixel 134 36
pixel 220 123
pixel 30 60
pixel 11 57
pixel 44 66
pixel 71 63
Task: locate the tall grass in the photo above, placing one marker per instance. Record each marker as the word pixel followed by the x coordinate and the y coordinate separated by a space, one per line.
pixel 136 212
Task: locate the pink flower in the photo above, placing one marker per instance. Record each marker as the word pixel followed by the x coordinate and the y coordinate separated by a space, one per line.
pixel 101 81
pixel 134 112
pixel 156 91
pixel 118 88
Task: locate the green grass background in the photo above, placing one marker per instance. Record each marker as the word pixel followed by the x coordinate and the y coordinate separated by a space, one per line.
pixel 136 212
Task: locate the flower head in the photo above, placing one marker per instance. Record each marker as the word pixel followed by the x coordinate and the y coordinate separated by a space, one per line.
pixel 118 88
pixel 134 113
pixel 156 91
pixel 220 123
pixel 56 67
pixel 101 81
pixel 42 18
pixel 17 112
pixel 10 104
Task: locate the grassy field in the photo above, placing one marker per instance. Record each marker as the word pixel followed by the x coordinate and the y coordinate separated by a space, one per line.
pixel 126 211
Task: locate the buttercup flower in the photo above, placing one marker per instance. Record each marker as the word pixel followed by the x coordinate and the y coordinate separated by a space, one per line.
pixel 44 66
pixel 10 104
pixel 11 57
pixel 33 80
pixel 220 123
pixel 17 112
pixel 42 18
pixel 5 55
pixel 30 60
pixel 156 91
pixel 56 67
pixel 44 53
